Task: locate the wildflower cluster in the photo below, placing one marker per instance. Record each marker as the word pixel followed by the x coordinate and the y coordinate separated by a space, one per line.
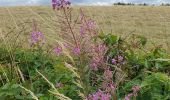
pixel 97 52
pixel 100 95
pixel 37 37
pixel 98 56
pixel 94 49
pixel 108 85
pixel 86 44
pixel 118 60
pixel 59 4
pixel 87 26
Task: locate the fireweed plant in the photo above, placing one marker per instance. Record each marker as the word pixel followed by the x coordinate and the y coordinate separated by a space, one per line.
pixel 37 37
pixel 85 44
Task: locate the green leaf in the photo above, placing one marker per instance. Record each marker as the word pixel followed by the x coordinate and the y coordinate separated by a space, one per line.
pixel 110 39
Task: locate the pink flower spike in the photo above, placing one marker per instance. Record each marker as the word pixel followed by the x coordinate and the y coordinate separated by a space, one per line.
pixel 112 86
pixel 58 50
pixel 99 95
pixel 60 4
pixel 105 97
pixel 102 48
pixel 95 97
pixel 113 61
pixel 76 51
pixel 37 38
pixel 54 4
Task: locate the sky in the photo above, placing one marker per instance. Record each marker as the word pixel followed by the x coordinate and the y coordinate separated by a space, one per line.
pixel 81 2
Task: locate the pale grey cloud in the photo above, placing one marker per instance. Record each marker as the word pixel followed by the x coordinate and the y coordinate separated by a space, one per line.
pixel 94 2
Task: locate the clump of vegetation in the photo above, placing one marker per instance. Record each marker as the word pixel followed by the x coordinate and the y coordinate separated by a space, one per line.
pixel 85 64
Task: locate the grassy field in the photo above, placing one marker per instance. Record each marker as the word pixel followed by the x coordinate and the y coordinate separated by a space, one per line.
pixel 74 63
pixel 152 22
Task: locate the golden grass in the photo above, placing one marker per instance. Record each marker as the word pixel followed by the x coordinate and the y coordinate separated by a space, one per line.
pixel 152 22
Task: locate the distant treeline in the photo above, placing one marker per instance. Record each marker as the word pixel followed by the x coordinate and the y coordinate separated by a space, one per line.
pixel 165 4
pixel 142 4
pixel 132 4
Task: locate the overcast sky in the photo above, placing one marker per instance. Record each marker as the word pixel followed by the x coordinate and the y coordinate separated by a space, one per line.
pixel 93 2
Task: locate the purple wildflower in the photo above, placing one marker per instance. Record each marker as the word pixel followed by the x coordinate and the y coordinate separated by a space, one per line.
pixel 54 4
pixel 37 37
pixel 60 4
pixel 76 51
pixel 109 87
pixel 96 95
pixel 101 48
pixel 95 63
pixel 105 97
pixel 67 2
pixel 98 56
pixel 58 50
pixel 99 95
pixel 113 61
pixel 135 90
pixel 112 86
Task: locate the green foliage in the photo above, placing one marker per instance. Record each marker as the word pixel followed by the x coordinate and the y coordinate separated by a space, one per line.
pixel 110 39
pixel 138 62
pixel 28 61
pixel 156 86
pixel 149 70
pixel 10 91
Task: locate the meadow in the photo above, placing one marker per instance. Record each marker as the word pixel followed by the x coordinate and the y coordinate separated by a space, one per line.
pixel 68 52
pixel 152 22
